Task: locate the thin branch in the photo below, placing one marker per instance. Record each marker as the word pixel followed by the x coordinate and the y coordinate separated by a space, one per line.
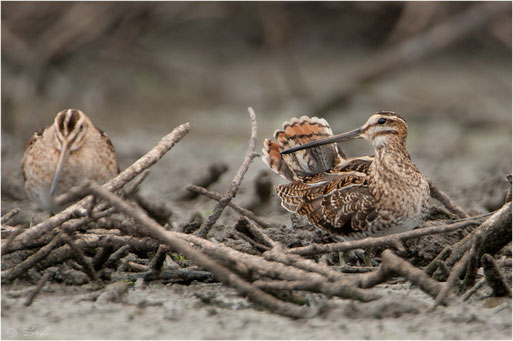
pixel 495 231
pixel 217 196
pixel 390 241
pixel 456 272
pixel 6 217
pixel 473 264
pixel 431 267
pixel 215 171
pixel 19 269
pixel 81 258
pixel 116 256
pixel 36 290
pixel 394 265
pixel 494 277
pixel 234 186
pixel 450 204
pixel 69 226
pixel 473 290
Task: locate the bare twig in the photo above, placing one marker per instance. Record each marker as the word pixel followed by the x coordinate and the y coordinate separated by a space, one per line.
pixel 495 231
pixel 431 267
pixel 456 272
pixel 494 277
pixel 473 264
pixel 80 257
pixel 473 290
pixel 234 186
pixel 19 269
pixel 101 257
pixel 149 159
pixel 215 171
pixel 450 204
pixel 6 217
pixel 36 290
pixel 394 265
pixel 69 226
pixel 116 256
pixel 133 186
pixel 238 209
pixel 390 240
pixel 159 258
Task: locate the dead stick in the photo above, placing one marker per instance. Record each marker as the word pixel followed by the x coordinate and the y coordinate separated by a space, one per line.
pixel 473 264
pixel 221 273
pixel 19 269
pixel 431 267
pixel 237 208
pixel 36 290
pixel 159 258
pixel 473 290
pixel 234 186
pixel 495 231
pixel 116 256
pixel 450 204
pixel 80 257
pixel 146 161
pixel 132 188
pixel 390 240
pixel 215 171
pixel 394 265
pixel 68 227
pixel 6 217
pixel 494 277
pixel 456 271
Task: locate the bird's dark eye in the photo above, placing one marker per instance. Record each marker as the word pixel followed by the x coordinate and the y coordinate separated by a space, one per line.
pixel 382 120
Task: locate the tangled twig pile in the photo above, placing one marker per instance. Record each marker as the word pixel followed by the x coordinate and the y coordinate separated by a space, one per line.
pixel 113 230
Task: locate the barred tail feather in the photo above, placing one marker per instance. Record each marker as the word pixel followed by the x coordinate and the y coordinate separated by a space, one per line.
pixel 305 162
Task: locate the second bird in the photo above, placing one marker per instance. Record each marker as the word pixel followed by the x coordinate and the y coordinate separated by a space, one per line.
pixel 63 155
pixel 351 198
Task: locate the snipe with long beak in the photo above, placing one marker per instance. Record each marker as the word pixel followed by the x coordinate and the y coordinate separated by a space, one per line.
pixel 63 155
pixel 351 198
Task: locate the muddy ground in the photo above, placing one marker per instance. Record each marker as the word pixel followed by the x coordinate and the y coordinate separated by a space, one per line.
pixel 458 107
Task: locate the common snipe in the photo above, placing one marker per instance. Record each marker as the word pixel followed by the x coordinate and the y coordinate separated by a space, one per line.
pixel 351 198
pixel 63 155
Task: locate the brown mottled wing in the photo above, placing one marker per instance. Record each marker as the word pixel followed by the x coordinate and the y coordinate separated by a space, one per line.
pixel 36 136
pixel 111 150
pixel 338 200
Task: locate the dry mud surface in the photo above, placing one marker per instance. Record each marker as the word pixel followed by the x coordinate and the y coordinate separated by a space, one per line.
pixel 158 311
pixel 459 136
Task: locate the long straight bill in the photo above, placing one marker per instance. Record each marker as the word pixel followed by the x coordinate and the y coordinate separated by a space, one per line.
pixel 60 164
pixel 353 134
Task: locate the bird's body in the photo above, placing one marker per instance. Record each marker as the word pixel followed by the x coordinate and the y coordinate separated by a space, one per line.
pixel 63 155
pixel 351 198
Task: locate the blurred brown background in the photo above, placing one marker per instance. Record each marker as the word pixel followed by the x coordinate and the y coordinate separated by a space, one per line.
pixel 139 69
